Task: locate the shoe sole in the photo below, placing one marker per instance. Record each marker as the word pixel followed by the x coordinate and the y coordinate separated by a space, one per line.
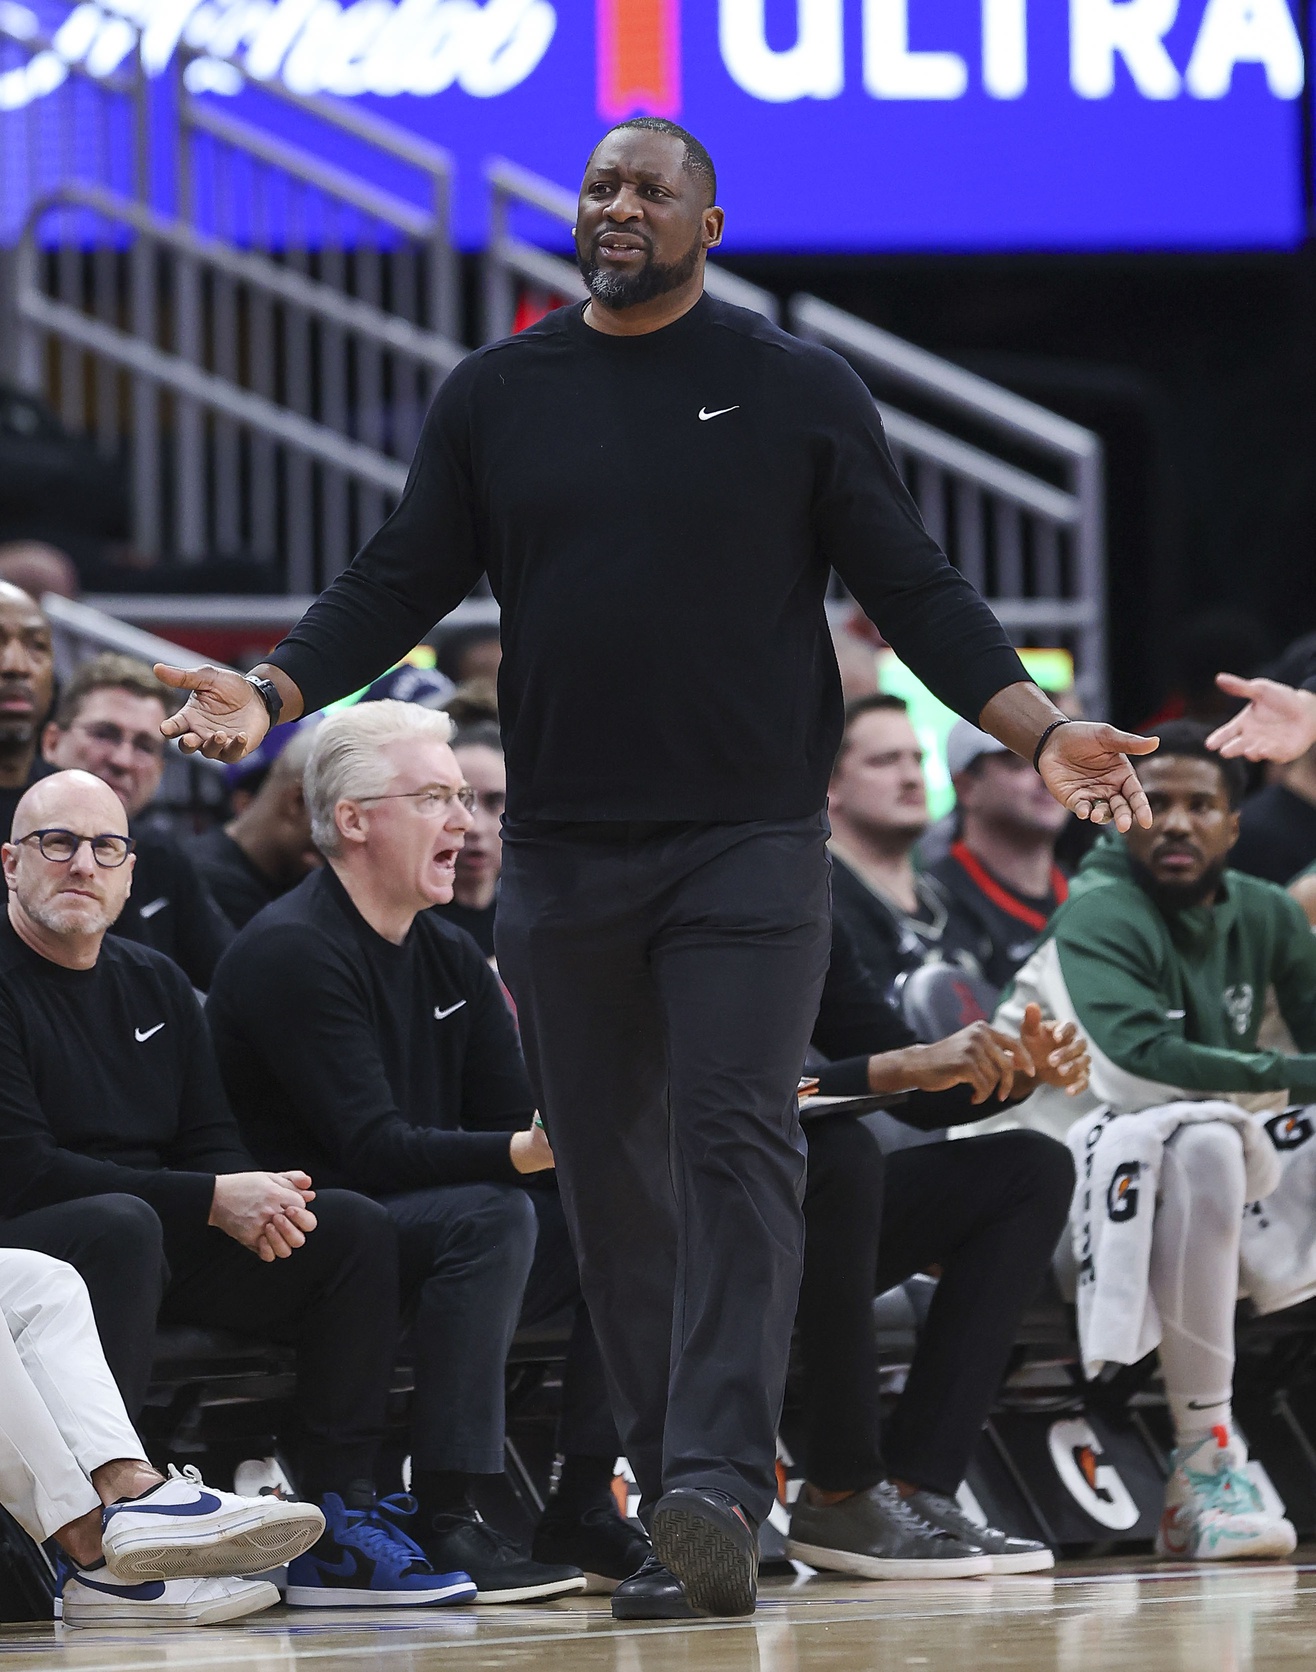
pixel 128 1613
pixel 1269 1550
pixel 636 1609
pixel 889 1567
pixel 1029 1561
pixel 718 1574
pixel 326 1596
pixel 252 1543
pixel 537 1593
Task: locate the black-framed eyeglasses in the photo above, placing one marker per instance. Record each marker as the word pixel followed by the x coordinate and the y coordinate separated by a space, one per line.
pixel 432 800
pixel 59 846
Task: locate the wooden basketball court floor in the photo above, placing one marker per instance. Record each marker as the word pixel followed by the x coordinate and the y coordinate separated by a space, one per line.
pixel 1107 1616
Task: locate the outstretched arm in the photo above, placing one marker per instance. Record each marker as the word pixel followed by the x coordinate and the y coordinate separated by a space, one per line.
pixel 1084 763
pixel 1278 723
pixel 223 718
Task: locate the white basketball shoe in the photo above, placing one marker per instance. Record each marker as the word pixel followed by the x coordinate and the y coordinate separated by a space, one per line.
pixel 1213 1510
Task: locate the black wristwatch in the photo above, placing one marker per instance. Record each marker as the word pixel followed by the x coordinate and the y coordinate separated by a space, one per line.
pixel 268 693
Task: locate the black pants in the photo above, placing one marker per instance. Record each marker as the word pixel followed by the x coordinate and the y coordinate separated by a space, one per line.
pixel 335 1300
pixel 477 1260
pixel 115 1245
pixel 666 979
pixel 989 1212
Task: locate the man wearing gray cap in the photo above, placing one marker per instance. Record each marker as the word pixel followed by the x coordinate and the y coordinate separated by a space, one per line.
pixel 1000 875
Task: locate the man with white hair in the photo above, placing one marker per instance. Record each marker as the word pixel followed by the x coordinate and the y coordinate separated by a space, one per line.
pixel 108 1083
pixel 358 1030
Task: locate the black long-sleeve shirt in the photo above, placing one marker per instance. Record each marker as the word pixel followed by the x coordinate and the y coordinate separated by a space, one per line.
pixel 855 1021
pixel 657 516
pixel 374 1066
pixel 108 1083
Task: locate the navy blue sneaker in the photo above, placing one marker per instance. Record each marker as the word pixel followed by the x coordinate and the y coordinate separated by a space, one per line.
pixel 365 1561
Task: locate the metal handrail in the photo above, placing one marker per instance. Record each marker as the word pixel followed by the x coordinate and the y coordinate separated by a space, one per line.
pixel 103 626
pixel 1030 493
pixel 215 393
pixel 388 330
pixel 304 165
pixel 917 368
pixel 506 253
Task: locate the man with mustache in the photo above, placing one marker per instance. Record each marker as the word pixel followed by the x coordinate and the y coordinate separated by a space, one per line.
pixel 658 486
pixel 1164 958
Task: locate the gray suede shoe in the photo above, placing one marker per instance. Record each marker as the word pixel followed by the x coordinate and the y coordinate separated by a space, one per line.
pixel 877 1535
pixel 1008 1554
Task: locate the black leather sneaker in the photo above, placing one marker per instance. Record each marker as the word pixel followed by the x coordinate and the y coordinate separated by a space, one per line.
pixel 651 1594
pixel 595 1539
pixel 502 1573
pixel 710 1544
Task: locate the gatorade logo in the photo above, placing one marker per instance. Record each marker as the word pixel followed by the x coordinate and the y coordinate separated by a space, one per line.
pixel 1289 1131
pixel 1122 1194
pixel 1093 1484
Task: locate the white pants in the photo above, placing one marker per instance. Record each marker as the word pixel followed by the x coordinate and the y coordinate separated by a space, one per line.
pixel 1194 1270
pixel 61 1415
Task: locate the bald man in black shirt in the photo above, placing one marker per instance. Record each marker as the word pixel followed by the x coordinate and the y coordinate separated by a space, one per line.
pixel 658 486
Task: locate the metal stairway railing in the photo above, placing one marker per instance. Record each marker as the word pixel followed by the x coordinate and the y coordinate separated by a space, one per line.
pixel 237 491
pixel 237 482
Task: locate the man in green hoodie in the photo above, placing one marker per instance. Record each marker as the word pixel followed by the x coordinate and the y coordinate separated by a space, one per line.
pixel 1165 959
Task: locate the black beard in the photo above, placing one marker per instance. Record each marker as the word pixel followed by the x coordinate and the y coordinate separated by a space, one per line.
pixel 628 290
pixel 1177 896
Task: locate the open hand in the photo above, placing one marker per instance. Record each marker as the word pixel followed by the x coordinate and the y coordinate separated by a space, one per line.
pixel 1086 767
pixel 223 718
pixel 1278 724
pixel 1059 1052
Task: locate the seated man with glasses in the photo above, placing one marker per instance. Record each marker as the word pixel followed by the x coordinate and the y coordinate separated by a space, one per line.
pixel 359 1032
pixel 107 721
pixel 108 1083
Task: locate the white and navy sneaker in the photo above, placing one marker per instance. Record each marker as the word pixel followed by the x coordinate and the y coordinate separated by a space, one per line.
pixel 94 1597
pixel 1213 1510
pixel 365 1561
pixel 184 1529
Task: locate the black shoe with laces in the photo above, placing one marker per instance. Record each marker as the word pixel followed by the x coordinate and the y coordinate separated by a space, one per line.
pixel 596 1539
pixel 653 1593
pixel 502 1573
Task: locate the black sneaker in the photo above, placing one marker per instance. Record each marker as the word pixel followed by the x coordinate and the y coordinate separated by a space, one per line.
pixel 705 1538
pixel 595 1539
pixel 500 1571
pixel 651 1594
pixel 876 1535
pixel 1008 1554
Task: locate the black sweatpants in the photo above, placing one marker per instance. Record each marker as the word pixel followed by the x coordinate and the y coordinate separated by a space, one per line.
pixel 477 1261
pixel 115 1244
pixel 988 1211
pixel 666 979
pixel 335 1300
